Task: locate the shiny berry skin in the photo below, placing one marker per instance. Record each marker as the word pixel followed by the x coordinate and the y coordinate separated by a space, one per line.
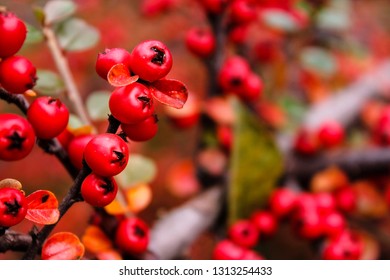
pixel 346 199
pixel 228 250
pixel 266 222
pixel 76 148
pixel 13 207
pixel 200 42
pixel 214 6
pixel 17 74
pixel 98 191
pixel 325 202
pixel 242 11
pixel 13 32
pixel 110 57
pixel 346 246
pixel 17 137
pixel 334 224
pixel 330 135
pixel 253 88
pixel 306 143
pixel 251 255
pixel 106 154
pixel 142 131
pixel 282 202
pixel 48 116
pixel 308 224
pixel 233 74
pixel 244 233
pixel 131 104
pixel 132 236
pixel 151 60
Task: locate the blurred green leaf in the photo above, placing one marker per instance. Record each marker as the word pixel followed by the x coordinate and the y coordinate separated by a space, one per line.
pixel 49 83
pixel 255 167
pixel 319 60
pixel 39 14
pixel 97 105
pixel 75 122
pixel 34 35
pixel 58 10
pixel 280 19
pixel 76 35
pixel 333 19
pixel 139 169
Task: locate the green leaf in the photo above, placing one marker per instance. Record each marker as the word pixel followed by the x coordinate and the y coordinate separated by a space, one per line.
pixel 49 83
pixel 255 166
pixel 97 105
pixel 139 169
pixel 76 35
pixel 280 19
pixel 333 19
pixel 75 122
pixel 34 35
pixel 58 10
pixel 319 60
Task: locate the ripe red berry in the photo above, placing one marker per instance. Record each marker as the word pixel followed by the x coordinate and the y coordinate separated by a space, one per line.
pixel 213 6
pixel 334 224
pixel 242 11
pixel 233 74
pixel 131 104
pixel 106 154
pixel 306 143
pixel 282 202
pixel 17 74
pixel 110 57
pixel 132 236
pixel 331 134
pixel 76 149
pixel 325 202
pixel 244 233
pixel 346 199
pixel 142 131
pixel 12 33
pixel 253 88
pixel 251 255
pixel 98 191
pixel 200 42
pixel 48 116
pixel 17 137
pixel 151 60
pixel 65 137
pixel 265 222
pixel 347 246
pixel 225 136
pixel 13 207
pixel 227 250
pixel 308 224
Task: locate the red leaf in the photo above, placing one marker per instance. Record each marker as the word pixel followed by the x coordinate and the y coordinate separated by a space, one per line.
pixel 42 208
pixel 120 76
pixel 170 92
pixel 62 246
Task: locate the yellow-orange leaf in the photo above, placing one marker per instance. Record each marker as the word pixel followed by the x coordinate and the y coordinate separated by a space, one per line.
pixel 95 240
pixel 138 197
pixel 120 76
pixel 42 207
pixel 116 208
pixel 109 255
pixel 62 246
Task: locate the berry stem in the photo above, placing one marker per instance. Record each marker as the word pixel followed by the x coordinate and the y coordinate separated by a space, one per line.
pixel 62 64
pixel 12 240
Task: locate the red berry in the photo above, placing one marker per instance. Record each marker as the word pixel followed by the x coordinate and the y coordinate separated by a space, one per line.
pixel 251 255
pixel 201 42
pixel 244 233
pixel 238 33
pixel 331 134
pixel 132 236
pixel 282 202
pixel 253 87
pixel 233 74
pixel 334 224
pixel 142 131
pixel 98 191
pixel 131 104
pixel 106 154
pixel 308 224
pixel 65 137
pixel 76 149
pixel 345 199
pixel 151 60
pixel 17 74
pixel 265 222
pixel 306 143
pixel 13 207
pixel 12 33
pixel 347 246
pixel 227 250
pixel 214 6
pixel 325 202
pixel 242 11
pixel 110 57
pixel 154 7
pixel 48 116
pixel 225 136
pixel 17 137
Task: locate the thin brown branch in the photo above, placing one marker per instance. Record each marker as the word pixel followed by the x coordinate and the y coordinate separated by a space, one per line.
pixel 14 241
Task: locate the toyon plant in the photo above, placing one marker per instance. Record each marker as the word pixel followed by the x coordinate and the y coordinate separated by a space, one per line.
pixel 196 129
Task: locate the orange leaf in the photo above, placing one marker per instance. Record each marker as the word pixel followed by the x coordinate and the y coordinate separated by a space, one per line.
pixel 120 76
pixel 116 208
pixel 170 92
pixel 109 255
pixel 62 246
pixel 138 197
pixel 95 240
pixel 42 208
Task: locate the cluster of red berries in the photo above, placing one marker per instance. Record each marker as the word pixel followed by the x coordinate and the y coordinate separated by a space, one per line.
pixel 13 206
pixel 17 73
pixel 313 216
pixel 330 135
pixel 133 104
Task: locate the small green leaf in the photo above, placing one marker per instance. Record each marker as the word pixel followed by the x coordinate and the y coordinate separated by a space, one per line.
pixel 34 35
pixel 319 60
pixel 333 19
pixel 75 122
pixel 97 105
pixel 76 35
pixel 49 83
pixel 139 169
pixel 280 19
pixel 255 166
pixel 58 10
pixel 39 14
